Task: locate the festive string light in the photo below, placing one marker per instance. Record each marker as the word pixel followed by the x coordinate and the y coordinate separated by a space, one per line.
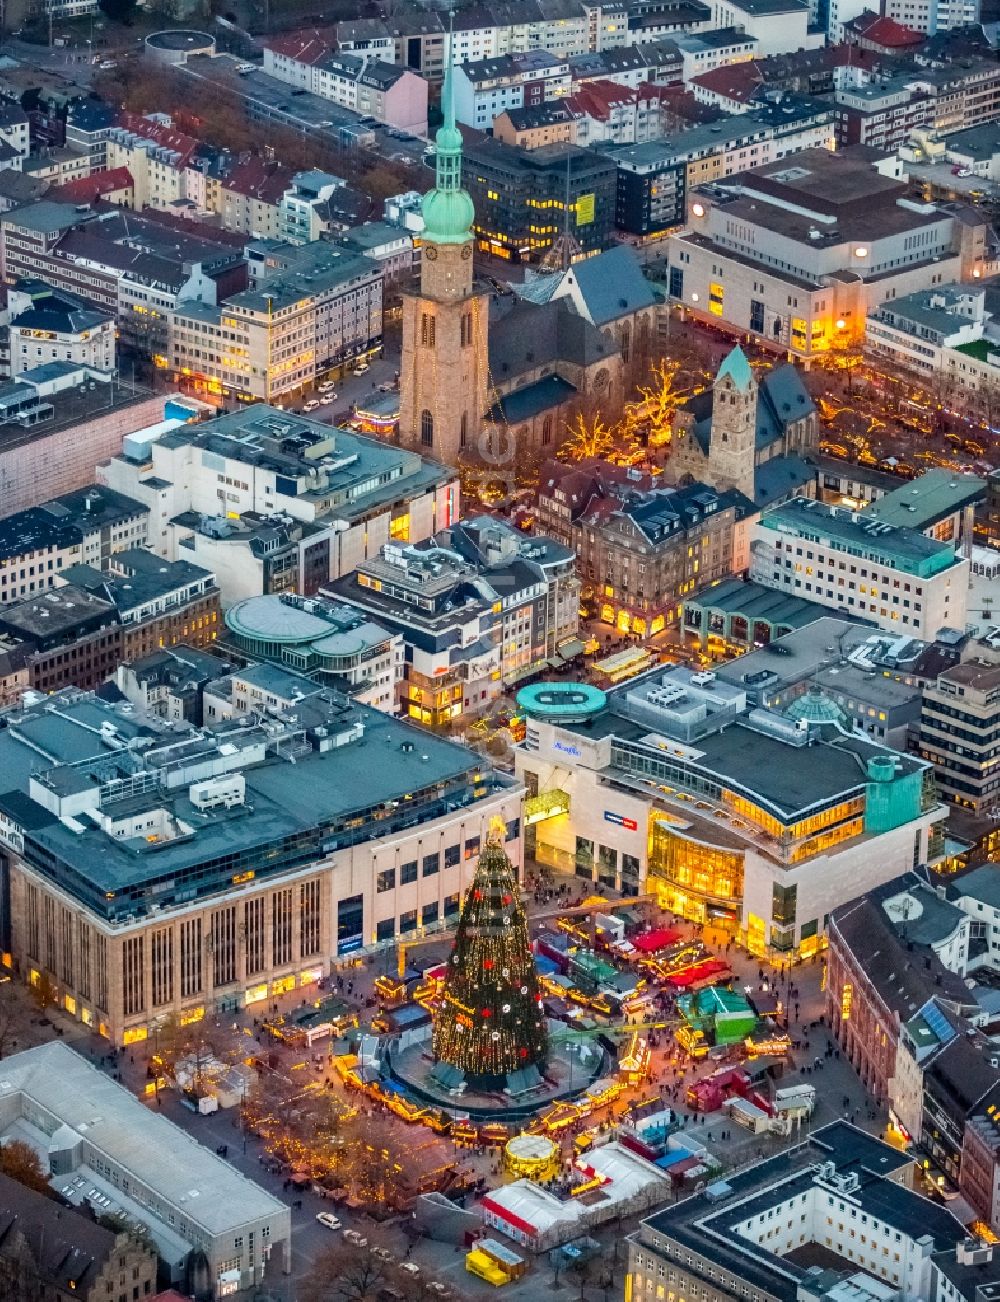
pixel 493 972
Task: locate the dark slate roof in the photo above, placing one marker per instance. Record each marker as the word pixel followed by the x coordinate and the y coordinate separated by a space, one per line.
pixel 982 883
pixel 905 979
pixel 775 479
pixel 613 284
pixel 532 400
pixel 69 1249
pixel 781 399
pixel 524 336
pixel 63 313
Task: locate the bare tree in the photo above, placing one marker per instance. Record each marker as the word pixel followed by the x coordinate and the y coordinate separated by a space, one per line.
pixel 45 993
pixel 344 1273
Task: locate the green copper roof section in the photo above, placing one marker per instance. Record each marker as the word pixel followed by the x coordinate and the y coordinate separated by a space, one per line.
pixel 737 368
pixel 814 706
pixel 447 209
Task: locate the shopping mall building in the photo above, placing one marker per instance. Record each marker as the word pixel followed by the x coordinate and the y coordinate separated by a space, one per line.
pixel 745 818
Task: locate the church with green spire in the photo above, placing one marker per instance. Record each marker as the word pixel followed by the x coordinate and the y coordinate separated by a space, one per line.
pixel 444 369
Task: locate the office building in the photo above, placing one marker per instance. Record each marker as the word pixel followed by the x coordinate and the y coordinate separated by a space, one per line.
pixel 326 829
pixel 798 252
pixel 105 1152
pixel 479 607
pixel 960 731
pixel 138 267
pixel 86 527
pixel 654 178
pixel 319 309
pixel 525 200
pixel 330 642
pixel 944 335
pixel 259 466
pixel 761 823
pixel 892 575
pixel 842 1191
pixel 940 503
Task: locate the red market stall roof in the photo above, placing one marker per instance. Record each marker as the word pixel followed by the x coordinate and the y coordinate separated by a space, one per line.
pixel 650 941
pixel 700 972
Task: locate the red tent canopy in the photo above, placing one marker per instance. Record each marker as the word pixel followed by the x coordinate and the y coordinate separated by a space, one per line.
pixel 650 941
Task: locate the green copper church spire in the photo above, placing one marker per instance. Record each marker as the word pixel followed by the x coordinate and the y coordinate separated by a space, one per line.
pixel 447 209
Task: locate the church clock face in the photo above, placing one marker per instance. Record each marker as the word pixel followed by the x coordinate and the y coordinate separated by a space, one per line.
pixel 430 252
pixel 466 252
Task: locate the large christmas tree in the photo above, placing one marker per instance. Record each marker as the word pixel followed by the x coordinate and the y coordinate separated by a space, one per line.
pixel 490 1020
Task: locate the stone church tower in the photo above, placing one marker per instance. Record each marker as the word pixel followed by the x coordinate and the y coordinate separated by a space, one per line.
pixel 732 440
pixel 444 372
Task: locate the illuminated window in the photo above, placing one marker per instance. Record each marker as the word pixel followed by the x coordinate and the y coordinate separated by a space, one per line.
pixel 426 428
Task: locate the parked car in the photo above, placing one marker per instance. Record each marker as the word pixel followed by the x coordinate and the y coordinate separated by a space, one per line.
pixel 312 404
pixel 359 1240
pixel 410 1267
pixel 327 1219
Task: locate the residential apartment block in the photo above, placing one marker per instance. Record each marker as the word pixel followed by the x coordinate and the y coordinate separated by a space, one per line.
pixel 362 80
pixel 485 89
pixel 86 527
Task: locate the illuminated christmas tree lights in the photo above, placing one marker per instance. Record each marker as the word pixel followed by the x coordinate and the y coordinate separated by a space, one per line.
pixel 490 1020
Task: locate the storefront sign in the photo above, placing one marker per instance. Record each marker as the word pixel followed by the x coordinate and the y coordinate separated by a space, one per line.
pixel 621 821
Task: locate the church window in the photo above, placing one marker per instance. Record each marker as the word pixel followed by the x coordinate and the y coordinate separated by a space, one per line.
pixel 426 428
pixel 547 430
pixel 427 330
pixel 625 342
pixel 463 430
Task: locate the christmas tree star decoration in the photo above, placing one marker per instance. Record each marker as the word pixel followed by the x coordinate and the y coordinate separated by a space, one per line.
pixel 490 1020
